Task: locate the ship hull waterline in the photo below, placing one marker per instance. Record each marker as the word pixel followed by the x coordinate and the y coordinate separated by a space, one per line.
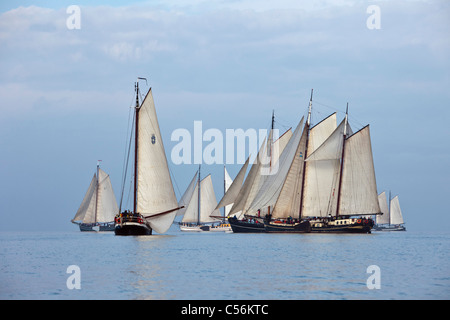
pixel 299 227
pixel 239 226
pixel 132 229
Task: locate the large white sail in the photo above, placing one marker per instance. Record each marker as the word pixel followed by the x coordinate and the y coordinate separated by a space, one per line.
pixel 382 201
pixel 243 200
pixel 268 193
pixel 86 211
pixel 288 202
pixel 235 188
pixel 106 203
pixel 359 188
pixel 322 170
pixel 396 212
pixel 184 201
pixel 155 192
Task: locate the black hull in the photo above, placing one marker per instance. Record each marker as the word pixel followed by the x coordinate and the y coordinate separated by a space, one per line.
pixel 89 227
pixel 132 230
pixel 342 229
pixel 302 227
pixel 343 226
pixel 245 227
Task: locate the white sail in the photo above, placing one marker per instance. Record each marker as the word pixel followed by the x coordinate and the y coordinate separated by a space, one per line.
pixel 382 201
pixel 106 203
pixel 288 202
pixel 235 188
pixel 244 199
pixel 396 212
pixel 155 190
pixel 322 170
pixel 228 182
pixel 99 203
pixel 86 211
pixel 271 188
pixel 208 203
pixel 359 188
pixel 184 201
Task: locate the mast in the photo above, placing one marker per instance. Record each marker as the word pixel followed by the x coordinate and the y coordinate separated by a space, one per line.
pixel 308 122
pixel 342 162
pixel 97 192
pixel 136 87
pixel 198 189
pixel 224 191
pixel 389 210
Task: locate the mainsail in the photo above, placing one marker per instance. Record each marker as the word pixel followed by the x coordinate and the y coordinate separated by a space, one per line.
pixel 155 193
pixel 396 212
pixel 99 203
pixel 208 202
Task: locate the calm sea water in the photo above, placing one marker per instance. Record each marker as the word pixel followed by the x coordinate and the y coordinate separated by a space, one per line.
pixel 224 266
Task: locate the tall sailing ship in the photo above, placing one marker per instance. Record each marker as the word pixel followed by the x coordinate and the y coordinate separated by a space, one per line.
pixel 99 206
pixel 325 181
pixel 392 218
pixel 154 201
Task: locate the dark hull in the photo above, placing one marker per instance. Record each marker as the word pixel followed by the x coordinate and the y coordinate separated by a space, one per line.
pixel 239 226
pixel 302 227
pixel 342 229
pixel 89 227
pixel 132 230
pixel 343 226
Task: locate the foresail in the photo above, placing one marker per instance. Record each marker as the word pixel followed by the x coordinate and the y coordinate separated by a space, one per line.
pixel 270 190
pixel 228 182
pixel 208 201
pixel 235 188
pixel 359 188
pixel 382 201
pixel 106 204
pixel 155 190
pixel 86 211
pixel 243 200
pixel 288 202
pixel 184 201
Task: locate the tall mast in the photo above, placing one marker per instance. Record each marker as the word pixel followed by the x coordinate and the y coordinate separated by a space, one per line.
pixel 308 122
pixel 98 187
pixel 342 162
pixel 224 191
pixel 136 87
pixel 198 189
pixel 389 208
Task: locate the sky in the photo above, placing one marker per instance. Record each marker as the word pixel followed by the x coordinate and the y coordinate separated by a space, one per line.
pixel 65 93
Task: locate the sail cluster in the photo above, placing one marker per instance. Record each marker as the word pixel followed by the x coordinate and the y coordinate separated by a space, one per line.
pixel 322 171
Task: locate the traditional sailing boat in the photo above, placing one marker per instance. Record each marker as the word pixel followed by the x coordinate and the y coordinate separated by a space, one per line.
pixel 154 202
pixel 392 218
pixel 201 207
pixel 99 206
pixel 326 177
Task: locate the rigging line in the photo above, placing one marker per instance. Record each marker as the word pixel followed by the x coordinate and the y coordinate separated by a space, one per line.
pixel 125 168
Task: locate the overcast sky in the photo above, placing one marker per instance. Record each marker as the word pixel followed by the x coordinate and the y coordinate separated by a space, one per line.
pixel 65 93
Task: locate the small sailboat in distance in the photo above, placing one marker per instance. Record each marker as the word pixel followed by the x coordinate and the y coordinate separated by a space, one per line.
pixel 154 202
pixel 392 218
pixel 99 206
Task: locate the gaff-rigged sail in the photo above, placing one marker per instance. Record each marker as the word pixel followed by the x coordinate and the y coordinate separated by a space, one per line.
pixel 155 193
